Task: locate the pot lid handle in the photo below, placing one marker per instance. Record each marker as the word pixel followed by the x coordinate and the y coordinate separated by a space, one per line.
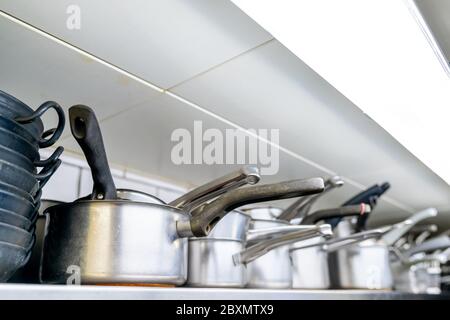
pixel 261 248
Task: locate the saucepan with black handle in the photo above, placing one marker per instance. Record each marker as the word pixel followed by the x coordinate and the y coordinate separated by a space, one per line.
pixel 101 239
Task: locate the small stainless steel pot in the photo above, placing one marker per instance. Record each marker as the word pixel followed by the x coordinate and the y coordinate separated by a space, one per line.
pixel 310 258
pixel 222 262
pixel 366 265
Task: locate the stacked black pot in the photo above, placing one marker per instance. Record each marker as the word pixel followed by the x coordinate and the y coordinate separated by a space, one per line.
pixel 22 176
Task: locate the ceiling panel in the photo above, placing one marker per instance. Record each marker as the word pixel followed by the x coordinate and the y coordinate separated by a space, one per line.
pixel 35 69
pixel 270 87
pixel 164 42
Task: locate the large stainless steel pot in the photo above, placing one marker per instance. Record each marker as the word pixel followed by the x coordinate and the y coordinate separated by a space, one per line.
pixel 218 261
pixel 108 240
pixel 367 265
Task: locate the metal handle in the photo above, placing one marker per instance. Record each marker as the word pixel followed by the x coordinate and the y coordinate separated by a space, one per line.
pixel 437 243
pixel 302 206
pixel 254 235
pixel 208 215
pixel 198 196
pixel 401 228
pixel 86 130
pixel 259 249
pixel 43 142
pixel 354 210
pixel 339 243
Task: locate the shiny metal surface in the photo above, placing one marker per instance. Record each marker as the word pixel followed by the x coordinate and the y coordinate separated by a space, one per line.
pixel 211 263
pixel 233 226
pixel 302 206
pixel 272 270
pixel 421 277
pixel 198 196
pixel 114 242
pixel 362 266
pixel 310 266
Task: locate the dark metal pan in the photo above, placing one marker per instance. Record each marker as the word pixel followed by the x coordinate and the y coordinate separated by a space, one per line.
pixel 12 108
pixel 54 133
pixel 13 189
pixel 41 141
pixel 15 235
pixel 17 204
pixel 19 144
pixel 14 219
pixel 22 179
pixel 13 258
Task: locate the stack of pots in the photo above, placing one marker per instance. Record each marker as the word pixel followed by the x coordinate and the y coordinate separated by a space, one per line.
pixel 22 176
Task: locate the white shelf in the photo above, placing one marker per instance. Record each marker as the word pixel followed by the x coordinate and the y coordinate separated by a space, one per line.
pixel 58 292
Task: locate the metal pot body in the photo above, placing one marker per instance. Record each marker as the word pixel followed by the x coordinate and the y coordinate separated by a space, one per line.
pixel 272 270
pixel 114 242
pixel 362 266
pixel 423 277
pixel 211 263
pixel 12 258
pixel 310 266
pixel 233 226
pixel 12 108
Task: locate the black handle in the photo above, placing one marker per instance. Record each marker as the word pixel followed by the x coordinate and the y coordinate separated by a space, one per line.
pixel 55 156
pixel 341 212
pixel 86 130
pixel 43 142
pixel 368 196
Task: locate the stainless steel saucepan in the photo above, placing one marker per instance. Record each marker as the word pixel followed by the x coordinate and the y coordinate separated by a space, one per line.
pixel 366 265
pixel 102 239
pixel 220 260
pixel 310 257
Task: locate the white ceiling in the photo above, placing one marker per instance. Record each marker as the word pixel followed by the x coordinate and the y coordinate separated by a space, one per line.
pixel 231 73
